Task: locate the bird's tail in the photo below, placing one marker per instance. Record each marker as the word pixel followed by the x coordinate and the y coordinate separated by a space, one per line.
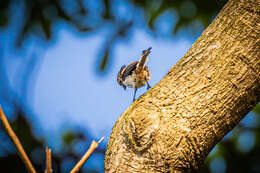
pixel 144 58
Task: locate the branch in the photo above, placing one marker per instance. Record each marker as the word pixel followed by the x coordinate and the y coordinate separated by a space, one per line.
pixel 16 142
pixel 48 161
pixel 175 124
pixel 91 149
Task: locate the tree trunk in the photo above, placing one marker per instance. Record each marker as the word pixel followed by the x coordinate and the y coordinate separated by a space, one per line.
pixel 173 126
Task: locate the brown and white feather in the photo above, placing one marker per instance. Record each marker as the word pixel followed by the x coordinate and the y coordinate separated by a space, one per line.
pixel 136 74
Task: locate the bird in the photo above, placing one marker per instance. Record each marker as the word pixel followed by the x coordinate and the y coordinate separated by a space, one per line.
pixel 136 74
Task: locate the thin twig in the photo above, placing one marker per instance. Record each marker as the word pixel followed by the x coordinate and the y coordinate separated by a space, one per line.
pixel 91 149
pixel 48 161
pixel 16 142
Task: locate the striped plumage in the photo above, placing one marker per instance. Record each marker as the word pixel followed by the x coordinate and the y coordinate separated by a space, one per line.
pixel 136 74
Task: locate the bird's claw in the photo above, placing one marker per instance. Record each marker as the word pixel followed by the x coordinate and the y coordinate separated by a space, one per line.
pixel 148 86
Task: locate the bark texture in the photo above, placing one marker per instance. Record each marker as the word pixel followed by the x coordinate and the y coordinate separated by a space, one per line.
pixel 173 126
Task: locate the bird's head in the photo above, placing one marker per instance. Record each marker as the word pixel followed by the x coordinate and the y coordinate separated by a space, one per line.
pixel 120 78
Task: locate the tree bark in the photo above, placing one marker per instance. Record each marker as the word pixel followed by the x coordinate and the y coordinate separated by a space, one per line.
pixel 173 126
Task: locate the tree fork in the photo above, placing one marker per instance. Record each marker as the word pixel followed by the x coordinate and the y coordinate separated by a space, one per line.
pixel 173 126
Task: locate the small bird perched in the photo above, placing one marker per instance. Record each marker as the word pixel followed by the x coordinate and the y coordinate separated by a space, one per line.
pixel 136 74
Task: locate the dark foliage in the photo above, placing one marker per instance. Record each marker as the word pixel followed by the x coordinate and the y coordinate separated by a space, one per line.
pixel 38 17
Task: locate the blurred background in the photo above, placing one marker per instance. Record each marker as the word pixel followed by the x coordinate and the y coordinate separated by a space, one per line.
pixel 58 65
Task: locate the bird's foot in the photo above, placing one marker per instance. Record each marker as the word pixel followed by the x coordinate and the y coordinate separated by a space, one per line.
pixel 148 86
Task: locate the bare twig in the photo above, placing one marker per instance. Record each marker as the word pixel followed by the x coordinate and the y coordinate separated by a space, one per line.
pixel 16 142
pixel 91 149
pixel 48 161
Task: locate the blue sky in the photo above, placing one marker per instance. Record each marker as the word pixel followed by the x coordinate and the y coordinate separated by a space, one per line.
pixel 69 92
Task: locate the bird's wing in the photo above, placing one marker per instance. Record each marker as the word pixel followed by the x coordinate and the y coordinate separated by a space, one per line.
pixel 129 69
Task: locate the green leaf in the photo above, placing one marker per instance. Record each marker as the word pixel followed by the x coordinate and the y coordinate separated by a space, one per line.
pixel 68 137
